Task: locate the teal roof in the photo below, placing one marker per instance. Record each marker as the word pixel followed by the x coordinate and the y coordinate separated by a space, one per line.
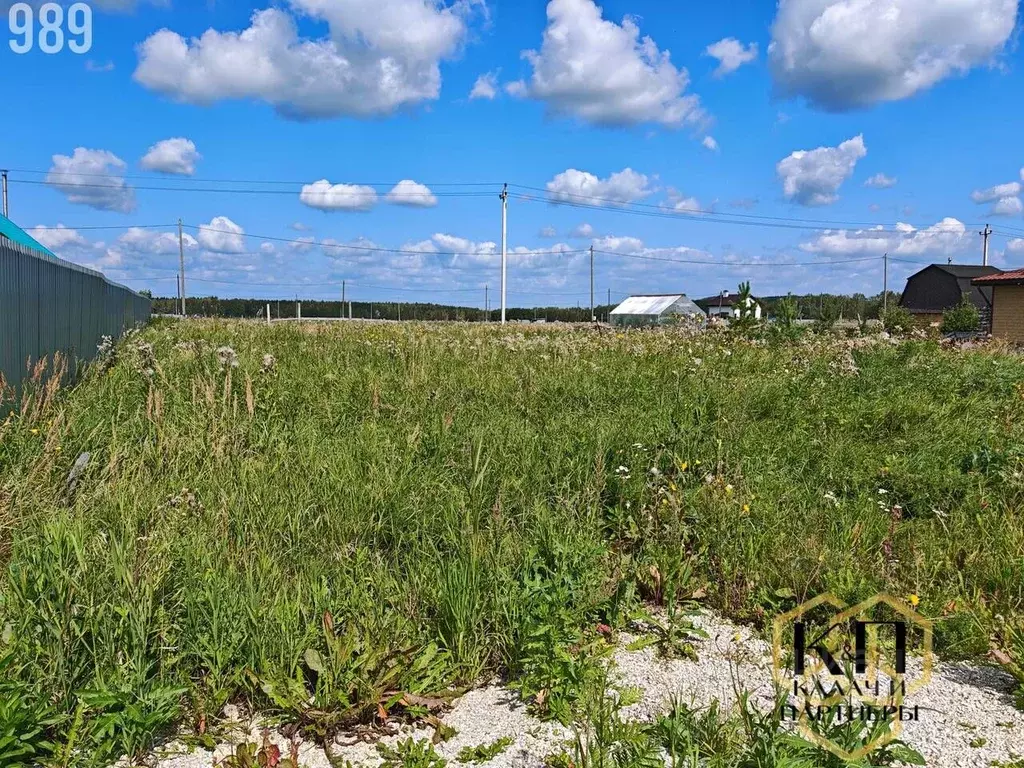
pixel 12 231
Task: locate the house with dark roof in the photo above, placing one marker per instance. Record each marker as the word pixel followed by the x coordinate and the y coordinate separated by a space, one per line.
pixel 726 305
pixel 1007 300
pixel 939 287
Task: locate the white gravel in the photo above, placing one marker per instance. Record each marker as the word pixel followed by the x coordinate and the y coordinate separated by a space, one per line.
pixel 963 704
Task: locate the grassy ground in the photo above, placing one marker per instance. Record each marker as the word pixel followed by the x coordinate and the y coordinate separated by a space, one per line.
pixel 320 518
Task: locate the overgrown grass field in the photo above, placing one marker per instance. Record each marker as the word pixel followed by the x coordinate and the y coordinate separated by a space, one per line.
pixel 323 519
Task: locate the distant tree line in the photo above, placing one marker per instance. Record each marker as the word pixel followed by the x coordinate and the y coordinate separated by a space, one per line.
pixel 830 307
pixel 212 306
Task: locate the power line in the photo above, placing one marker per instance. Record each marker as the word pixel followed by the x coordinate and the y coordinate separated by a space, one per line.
pixel 649 257
pixel 201 180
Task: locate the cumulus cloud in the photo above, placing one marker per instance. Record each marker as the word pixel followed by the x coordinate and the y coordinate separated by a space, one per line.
pixel 1004 197
pixel 583 230
pixel 681 204
pixel 140 240
pixel 946 238
pixel 59 237
pixel 619 244
pixel 880 181
pixel 408 192
pixel 378 57
pixel 626 186
pixel 605 73
pixel 1008 206
pixel 177 156
pixel 710 143
pixel 222 235
pixel 731 55
pixel 485 87
pixel 93 177
pixel 813 177
pixel 846 54
pixel 1015 246
pixel 338 197
pixel 992 194
pixel 548 232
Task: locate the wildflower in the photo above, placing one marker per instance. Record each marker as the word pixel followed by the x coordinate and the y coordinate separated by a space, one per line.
pixel 34 431
pixel 269 362
pixel 622 470
pixel 227 357
pixel 728 488
pixel 914 600
pixel 882 492
pixel 746 509
pixel 683 466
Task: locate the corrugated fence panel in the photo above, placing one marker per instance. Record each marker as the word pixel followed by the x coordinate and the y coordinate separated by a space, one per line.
pixel 49 305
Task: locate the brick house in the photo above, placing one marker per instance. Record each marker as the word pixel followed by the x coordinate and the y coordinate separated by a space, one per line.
pixel 1007 303
pixel 939 287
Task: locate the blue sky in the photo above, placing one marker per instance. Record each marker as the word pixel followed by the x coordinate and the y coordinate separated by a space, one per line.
pixel 693 145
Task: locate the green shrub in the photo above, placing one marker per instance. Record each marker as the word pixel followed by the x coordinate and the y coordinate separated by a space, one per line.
pixel 963 318
pixel 897 320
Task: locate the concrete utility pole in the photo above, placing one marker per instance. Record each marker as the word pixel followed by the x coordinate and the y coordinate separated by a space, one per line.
pixel 593 317
pixel 504 249
pixel 268 313
pixel 181 264
pixel 342 299
pixel 984 248
pixel 487 305
pixel 4 175
pixel 885 282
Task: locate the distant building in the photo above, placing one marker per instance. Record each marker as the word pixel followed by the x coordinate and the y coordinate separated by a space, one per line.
pixel 939 287
pixel 1006 296
pixel 726 305
pixel 654 310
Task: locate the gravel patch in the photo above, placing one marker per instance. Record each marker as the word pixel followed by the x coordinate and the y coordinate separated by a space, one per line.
pixel 967 715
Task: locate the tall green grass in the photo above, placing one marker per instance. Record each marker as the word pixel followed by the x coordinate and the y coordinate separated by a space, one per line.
pixel 377 510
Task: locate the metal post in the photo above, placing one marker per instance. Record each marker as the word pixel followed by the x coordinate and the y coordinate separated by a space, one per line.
pixel 268 313
pixel 343 299
pixel 608 314
pixel 181 264
pixel 504 248
pixel 4 175
pixel 298 310
pixel 593 317
pixel 487 306
pixel 885 283
pixel 984 252
pixel 350 309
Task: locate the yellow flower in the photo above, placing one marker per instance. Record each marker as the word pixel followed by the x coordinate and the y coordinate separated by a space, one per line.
pixel 57 449
pixel 914 600
pixel 34 431
pixel 684 466
pixel 746 509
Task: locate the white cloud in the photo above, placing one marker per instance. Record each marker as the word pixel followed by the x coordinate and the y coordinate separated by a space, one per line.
pixel 881 181
pixel 845 54
pixel 583 230
pixel 379 56
pixel 302 244
pixel 408 192
pixel 485 87
pixel 222 235
pixel 626 186
pixel 682 204
pixel 731 55
pixel 549 231
pixel 946 238
pixel 1015 246
pixel 813 177
pixel 92 177
pixel 619 244
pixel 992 194
pixel 710 143
pixel 177 155
pixel 59 237
pixel 605 73
pixel 1008 206
pixel 338 197
pixel 140 240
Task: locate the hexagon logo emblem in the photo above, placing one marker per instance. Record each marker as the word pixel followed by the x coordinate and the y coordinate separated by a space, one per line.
pixel 839 664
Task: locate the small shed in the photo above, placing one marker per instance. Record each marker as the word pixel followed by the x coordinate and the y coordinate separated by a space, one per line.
pixel 1007 297
pixel 939 287
pixel 656 309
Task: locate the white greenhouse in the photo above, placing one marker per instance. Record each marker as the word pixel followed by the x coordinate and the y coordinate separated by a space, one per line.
pixel 655 310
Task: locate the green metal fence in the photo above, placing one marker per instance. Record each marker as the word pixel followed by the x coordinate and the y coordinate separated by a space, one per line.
pixel 49 305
